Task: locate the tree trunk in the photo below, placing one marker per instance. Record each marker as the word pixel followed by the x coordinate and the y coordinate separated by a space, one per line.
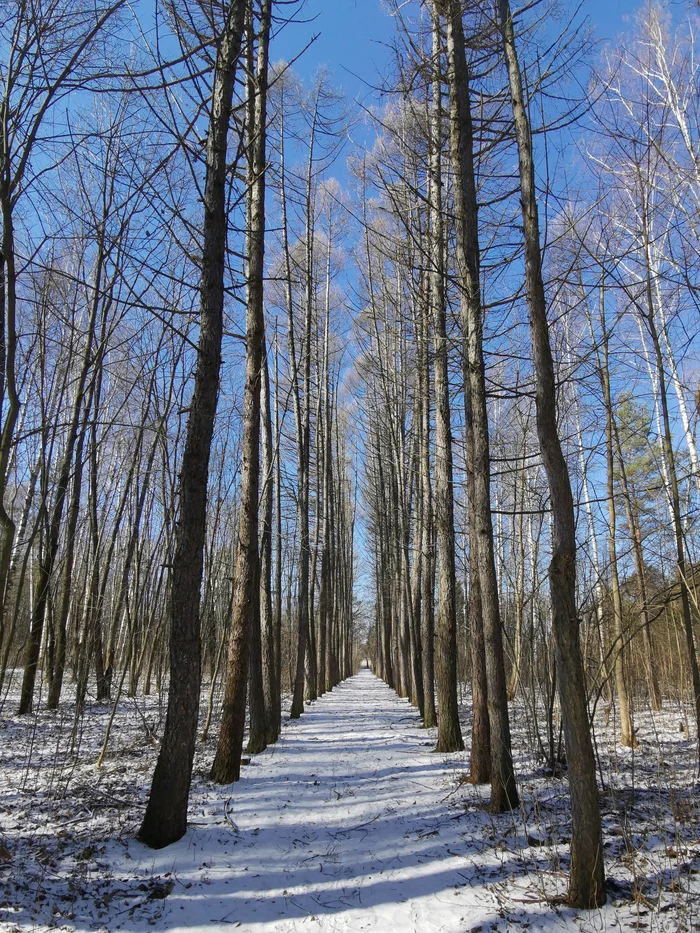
pixel 165 819
pixel 246 578
pixel 587 878
pixel 516 670
pixel 619 647
pixel 669 456
pixel 277 624
pixel 302 422
pixel 257 738
pixel 449 733
pixel 504 794
pixel 635 533
pixel 427 616
pixel 603 671
pixel 58 667
pixel 267 621
pixel 46 564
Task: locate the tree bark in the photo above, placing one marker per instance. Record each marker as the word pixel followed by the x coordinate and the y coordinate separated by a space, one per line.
pixel 427 615
pixel 276 709
pixel 267 621
pixel 246 578
pixel 165 819
pixel 587 878
pixel 302 411
pixel 449 732
pixel 635 533
pixel 619 647
pixel 504 794
pixel 257 737
pixel 649 316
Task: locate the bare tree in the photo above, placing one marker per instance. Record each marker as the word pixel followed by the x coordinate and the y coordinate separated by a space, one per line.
pixel 48 58
pixel 246 579
pixel 165 820
pixel 504 793
pixel 587 878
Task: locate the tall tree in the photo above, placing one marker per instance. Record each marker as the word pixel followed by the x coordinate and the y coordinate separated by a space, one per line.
pixel 449 733
pixel 587 877
pixel 48 57
pixel 270 635
pixel 619 647
pixel 504 794
pixel 165 819
pixel 246 577
pixel 257 732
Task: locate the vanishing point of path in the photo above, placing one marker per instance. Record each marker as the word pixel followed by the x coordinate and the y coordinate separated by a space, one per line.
pixel 350 822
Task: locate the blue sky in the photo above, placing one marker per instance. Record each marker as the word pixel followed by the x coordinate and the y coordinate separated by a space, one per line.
pixel 352 40
pixel 352 34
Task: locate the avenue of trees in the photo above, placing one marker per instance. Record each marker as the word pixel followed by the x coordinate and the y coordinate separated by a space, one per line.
pixel 232 385
pixel 165 392
pixel 528 361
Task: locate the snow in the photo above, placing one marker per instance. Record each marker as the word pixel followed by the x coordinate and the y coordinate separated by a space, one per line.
pixel 340 825
pixel 350 822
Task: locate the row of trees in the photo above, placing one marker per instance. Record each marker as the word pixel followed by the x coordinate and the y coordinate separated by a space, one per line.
pixel 495 459
pixel 168 500
pixel 177 485
pixel 400 656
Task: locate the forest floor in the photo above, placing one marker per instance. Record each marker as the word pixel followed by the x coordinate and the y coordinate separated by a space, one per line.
pixel 349 823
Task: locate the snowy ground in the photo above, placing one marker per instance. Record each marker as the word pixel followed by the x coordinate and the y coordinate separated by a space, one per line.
pixel 350 822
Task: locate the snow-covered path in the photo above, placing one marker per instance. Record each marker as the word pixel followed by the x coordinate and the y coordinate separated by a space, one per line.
pixel 348 823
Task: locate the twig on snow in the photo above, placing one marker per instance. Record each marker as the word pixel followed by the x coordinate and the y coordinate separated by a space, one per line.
pixel 228 817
